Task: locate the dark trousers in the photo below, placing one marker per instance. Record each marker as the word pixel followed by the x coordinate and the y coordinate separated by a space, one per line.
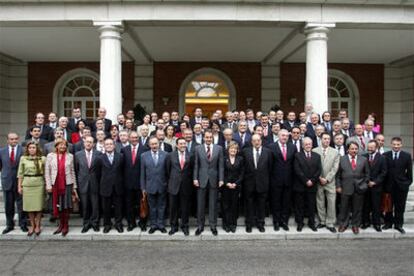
pixel 157 203
pixel 132 199
pixel 371 212
pixel 179 204
pixel 399 199
pixel 90 208
pixel 212 206
pixel 280 204
pixel 230 204
pixel 13 201
pixel 255 204
pixel 107 203
pixel 300 199
pixel 354 201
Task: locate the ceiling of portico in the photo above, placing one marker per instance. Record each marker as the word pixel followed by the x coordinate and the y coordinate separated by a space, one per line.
pixel 209 42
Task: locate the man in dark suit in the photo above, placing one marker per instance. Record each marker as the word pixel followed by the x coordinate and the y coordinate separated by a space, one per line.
pixel 346 127
pixel 85 163
pixel 258 166
pixel 9 164
pixel 295 139
pixel 179 167
pixel 281 180
pixel 52 120
pixel 160 134
pixel 198 116
pixel 99 125
pixel 109 174
pixel 242 136
pixel 290 122
pixel 308 168
pixel 228 137
pixel 154 184
pixel 327 121
pixel 191 144
pixel 208 177
pixel 35 134
pixel 45 130
pixel 230 122
pixel 63 125
pixel 86 132
pixel 372 199
pixel 132 173
pixel 144 136
pixel 76 117
pixel 399 179
pixel 273 136
pixel 311 126
pixel 264 122
pixel 352 182
pixel 106 122
pixel 368 132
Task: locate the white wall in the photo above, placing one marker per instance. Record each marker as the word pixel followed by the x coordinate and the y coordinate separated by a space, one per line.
pixel 270 86
pixel 13 97
pixel 398 103
pixel 144 83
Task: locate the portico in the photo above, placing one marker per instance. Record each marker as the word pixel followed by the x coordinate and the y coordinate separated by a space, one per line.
pixel 260 52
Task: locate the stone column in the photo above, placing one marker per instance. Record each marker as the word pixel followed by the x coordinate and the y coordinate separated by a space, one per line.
pixel 110 85
pixel 317 65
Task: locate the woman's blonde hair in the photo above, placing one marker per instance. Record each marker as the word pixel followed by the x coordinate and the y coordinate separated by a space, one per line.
pixel 60 141
pixel 233 144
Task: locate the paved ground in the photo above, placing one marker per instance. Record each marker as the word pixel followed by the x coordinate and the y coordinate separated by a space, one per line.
pixel 329 257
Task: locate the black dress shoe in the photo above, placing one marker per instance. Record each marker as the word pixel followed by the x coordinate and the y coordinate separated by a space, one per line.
pixel 299 228
pixel 143 225
pixel 186 231
pixel 365 226
pixel 313 227
pixel 377 228
pixel 227 229
pixel 248 229
pixel 163 230
pixel 332 229
pixel 172 231
pixel 24 228
pixel 130 227
pixel 399 229
pixel 233 229
pixel 7 230
pixel 119 228
pixel 387 226
pixel 199 231
pixel 152 230
pixel 276 227
pixel 85 229
pixel 285 226
pixel 261 228
pixel 107 229
pixel 320 226
pixel 214 231
pixel 95 228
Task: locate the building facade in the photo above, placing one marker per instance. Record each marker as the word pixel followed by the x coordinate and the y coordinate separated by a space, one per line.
pixel 175 55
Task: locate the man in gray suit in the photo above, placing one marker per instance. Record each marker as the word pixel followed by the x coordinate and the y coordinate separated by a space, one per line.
pixel 352 182
pixel 360 139
pixel 9 164
pixel 208 177
pixel 154 184
pixel 88 187
pixel 326 187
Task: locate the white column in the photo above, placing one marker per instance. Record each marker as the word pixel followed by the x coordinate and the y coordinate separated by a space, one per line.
pixel 317 66
pixel 110 86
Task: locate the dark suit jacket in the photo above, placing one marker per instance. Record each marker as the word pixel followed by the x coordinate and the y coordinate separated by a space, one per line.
pixel 247 139
pixel 282 171
pixel 310 132
pixel 192 147
pixel 234 173
pixel 9 170
pixel 167 147
pixel 86 177
pixel 72 125
pixel 132 172
pixel 47 133
pixel 179 179
pixel 400 174
pixel 220 141
pixel 257 179
pixel 270 138
pixel 78 147
pixel 286 125
pixel 352 181
pixel 307 169
pixel 377 170
pixel 144 144
pixel 110 177
pixel 107 123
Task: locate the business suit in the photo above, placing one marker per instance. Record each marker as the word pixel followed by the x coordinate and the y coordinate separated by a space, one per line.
pixel 243 143
pixel 46 133
pixel 12 199
pixel 166 147
pixel 180 187
pixel 362 146
pixel 399 179
pixel 372 199
pixel 132 175
pixel 233 126
pixel 111 189
pixel 271 138
pixel 154 183
pixel 297 144
pixel 256 184
pixel 288 125
pixel 233 173
pixel 72 124
pixel 281 183
pixel 326 194
pixel 88 187
pixel 208 173
pixel 144 141
pixel 107 125
pixel 353 183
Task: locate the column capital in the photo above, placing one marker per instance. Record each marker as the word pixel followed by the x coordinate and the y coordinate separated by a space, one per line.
pixel 317 31
pixel 110 29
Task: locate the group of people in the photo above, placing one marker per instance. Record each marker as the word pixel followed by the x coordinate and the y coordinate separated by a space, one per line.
pixel 333 172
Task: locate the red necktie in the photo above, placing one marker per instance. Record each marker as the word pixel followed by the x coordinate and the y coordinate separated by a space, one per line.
pixel 182 160
pixel 208 153
pixel 362 142
pixel 12 159
pixel 284 152
pixel 133 155
pixel 353 163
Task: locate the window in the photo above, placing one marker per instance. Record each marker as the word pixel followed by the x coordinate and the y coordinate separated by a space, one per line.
pixel 340 96
pixel 80 90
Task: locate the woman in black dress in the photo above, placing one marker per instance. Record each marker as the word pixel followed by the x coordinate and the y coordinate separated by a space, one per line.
pixel 233 177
